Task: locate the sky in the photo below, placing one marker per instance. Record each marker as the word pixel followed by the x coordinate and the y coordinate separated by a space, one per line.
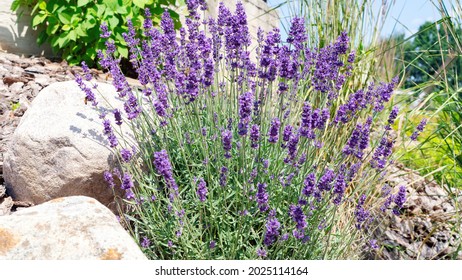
pixel 405 15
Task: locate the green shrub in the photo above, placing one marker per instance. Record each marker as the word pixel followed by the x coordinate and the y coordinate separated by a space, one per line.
pixel 235 159
pixel 72 26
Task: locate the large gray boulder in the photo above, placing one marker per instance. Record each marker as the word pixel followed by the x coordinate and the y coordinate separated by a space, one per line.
pixel 70 228
pixel 59 148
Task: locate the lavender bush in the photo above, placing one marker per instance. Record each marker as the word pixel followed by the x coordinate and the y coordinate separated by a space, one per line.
pixel 244 155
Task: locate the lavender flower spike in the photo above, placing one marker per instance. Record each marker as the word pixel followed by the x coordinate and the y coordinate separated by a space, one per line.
pixel 163 166
pixel 399 199
pixel 254 136
pixel 262 197
pixel 226 137
pixel 419 129
pixel 202 190
pixel 272 231
pixel 273 133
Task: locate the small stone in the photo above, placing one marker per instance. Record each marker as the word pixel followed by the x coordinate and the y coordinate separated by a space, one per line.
pixel 2 187
pixel 434 190
pixel 16 88
pixel 406 228
pixel 447 207
pixel 36 69
pixel 427 253
pixel 413 249
pixel 43 80
pixel 391 235
pixel 3 70
pixel 5 206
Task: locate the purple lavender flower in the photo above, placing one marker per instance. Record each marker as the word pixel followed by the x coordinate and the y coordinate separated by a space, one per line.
pixel 387 203
pixel 163 166
pixel 297 215
pixel 399 200
pixel 351 57
pixel 160 108
pixel 212 244
pixel 373 244
pixel 353 170
pixel 127 182
pixel 245 106
pixel 393 115
pixel 129 195
pixel 383 94
pixel 89 95
pixel 254 136
pixel 109 179
pixel 109 133
pixel 265 165
pixel 223 176
pixel 117 116
pixel 268 63
pixel 292 148
pixel 202 190
pixel 325 76
pixel 309 185
pixel 339 188
pixel 261 253
pixel 341 46
pixel 126 155
pixel 262 197
pixel 273 132
pixel 360 213
pixel 105 33
pixel 302 159
pixel 353 142
pixel 226 137
pixel 287 133
pixel 305 125
pixel 170 244
pixel 145 242
pixel 253 175
pixel 86 71
pixel 381 153
pixel 420 127
pixel 272 230
pixel 364 138
pixel 297 34
pixel 325 182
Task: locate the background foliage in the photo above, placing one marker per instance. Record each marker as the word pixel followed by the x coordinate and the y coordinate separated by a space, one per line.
pixel 72 26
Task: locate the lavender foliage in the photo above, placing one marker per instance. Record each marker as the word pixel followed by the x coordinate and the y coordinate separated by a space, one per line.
pixel 203 87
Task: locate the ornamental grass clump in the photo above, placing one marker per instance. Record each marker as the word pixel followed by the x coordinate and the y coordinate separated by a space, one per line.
pixel 241 155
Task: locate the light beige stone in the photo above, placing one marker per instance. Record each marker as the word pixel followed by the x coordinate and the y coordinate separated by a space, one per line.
pixel 59 148
pixel 71 228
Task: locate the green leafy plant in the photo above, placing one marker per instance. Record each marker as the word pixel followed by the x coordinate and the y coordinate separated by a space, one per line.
pixel 72 26
pixel 15 106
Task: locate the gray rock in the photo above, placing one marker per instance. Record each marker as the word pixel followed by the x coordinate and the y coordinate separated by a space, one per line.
pixel 42 79
pixel 16 88
pixel 60 152
pixel 71 228
pixel 36 69
pixel 5 206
